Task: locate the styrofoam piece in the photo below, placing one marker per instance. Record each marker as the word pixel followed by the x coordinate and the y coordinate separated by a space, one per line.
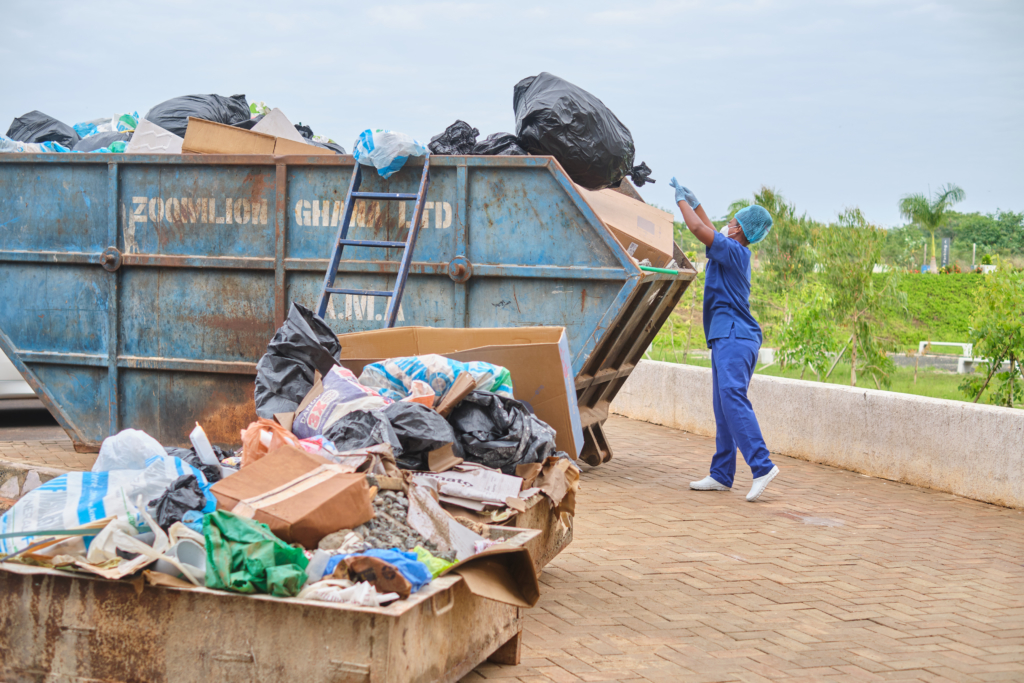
pixel 202 445
pixel 277 124
pixel 150 138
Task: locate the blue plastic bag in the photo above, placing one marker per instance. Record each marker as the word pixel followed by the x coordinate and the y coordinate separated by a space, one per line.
pixel 407 564
pixel 386 150
pixel 393 378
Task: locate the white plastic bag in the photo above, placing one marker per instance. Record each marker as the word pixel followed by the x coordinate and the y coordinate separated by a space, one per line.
pixel 386 150
pixel 129 449
pixel 80 497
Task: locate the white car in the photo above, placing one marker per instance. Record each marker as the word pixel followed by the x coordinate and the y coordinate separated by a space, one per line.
pixel 12 384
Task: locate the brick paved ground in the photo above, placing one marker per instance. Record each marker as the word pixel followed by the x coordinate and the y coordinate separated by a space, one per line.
pixel 832 576
pixel 56 453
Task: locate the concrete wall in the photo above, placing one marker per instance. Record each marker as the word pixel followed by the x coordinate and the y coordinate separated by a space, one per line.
pixel 975 451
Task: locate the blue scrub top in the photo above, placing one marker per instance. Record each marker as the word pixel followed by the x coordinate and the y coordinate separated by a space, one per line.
pixel 727 292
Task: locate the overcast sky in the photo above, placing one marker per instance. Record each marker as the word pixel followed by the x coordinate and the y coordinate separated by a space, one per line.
pixel 834 104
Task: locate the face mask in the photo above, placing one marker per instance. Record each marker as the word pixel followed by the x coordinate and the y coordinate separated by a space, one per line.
pixel 725 231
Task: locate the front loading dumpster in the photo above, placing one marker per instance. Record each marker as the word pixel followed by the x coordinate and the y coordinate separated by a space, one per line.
pixel 141 290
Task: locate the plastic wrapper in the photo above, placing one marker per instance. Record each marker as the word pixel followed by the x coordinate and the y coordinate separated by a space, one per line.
pixel 115 124
pixel 420 430
pixel 100 141
pixel 500 432
pixel 263 436
pixel 555 117
pixel 36 126
pixel 436 565
pixel 363 428
pixel 499 144
pixel 244 556
pixel 394 377
pixel 14 146
pixel 181 496
pixel 386 150
pixel 173 114
pixel 458 138
pixel 303 345
pixel 342 394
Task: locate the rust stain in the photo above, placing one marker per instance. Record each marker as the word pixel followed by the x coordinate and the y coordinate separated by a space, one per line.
pixel 583 300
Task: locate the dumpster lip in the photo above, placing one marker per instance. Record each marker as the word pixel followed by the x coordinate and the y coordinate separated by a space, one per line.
pixel 435 587
pixel 395 609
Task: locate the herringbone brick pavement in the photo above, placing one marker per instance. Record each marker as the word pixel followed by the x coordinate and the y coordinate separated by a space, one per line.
pixel 56 453
pixel 832 576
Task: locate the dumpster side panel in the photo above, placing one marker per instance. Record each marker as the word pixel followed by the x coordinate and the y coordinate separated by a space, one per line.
pixel 52 207
pixel 197 210
pixel 196 313
pixel 54 309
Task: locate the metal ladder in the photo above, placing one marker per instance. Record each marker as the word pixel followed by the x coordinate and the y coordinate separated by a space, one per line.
pixel 408 245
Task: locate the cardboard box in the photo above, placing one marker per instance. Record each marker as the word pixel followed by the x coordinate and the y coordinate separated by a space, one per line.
pixel 537 357
pixel 300 496
pixel 643 231
pixel 207 137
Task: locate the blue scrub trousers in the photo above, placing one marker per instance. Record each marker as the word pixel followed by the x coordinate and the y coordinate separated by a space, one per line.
pixel 732 365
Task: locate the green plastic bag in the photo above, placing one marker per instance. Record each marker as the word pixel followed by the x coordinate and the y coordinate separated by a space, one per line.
pixel 435 564
pixel 246 557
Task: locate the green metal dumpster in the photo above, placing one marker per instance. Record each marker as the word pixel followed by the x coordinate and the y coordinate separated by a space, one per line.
pixel 141 290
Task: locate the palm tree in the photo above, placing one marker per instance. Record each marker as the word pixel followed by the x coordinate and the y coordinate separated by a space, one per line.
pixel 930 214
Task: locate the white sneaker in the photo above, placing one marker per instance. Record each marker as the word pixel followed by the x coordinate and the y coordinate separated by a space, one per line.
pixel 708 483
pixel 761 483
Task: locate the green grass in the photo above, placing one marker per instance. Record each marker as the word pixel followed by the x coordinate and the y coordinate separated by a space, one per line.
pixel 930 382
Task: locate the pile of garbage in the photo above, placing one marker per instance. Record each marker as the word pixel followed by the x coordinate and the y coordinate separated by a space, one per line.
pixel 348 489
pixel 552 116
pixel 161 131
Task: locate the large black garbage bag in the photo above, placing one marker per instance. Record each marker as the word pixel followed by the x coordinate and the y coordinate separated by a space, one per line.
pixel 36 126
pixel 458 138
pixel 555 117
pixel 420 430
pixel 181 496
pixel 500 432
pixel 303 345
pixel 362 428
pixel 100 140
pixel 248 123
pixel 499 144
pixel 173 114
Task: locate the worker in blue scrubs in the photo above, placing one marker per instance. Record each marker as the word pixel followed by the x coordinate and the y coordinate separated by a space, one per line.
pixel 734 337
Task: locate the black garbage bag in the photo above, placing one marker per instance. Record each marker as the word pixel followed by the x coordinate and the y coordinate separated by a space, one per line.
pixel 305 131
pixel 248 123
pixel 458 138
pixel 555 117
pixel 500 432
pixel 173 114
pixel 362 428
pixel 100 140
pixel 499 144
pixel 189 455
pixel 36 126
pixel 420 430
pixel 181 496
pixel 303 345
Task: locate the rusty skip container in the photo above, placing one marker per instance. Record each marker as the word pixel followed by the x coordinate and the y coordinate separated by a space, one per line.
pixel 60 626
pixel 141 290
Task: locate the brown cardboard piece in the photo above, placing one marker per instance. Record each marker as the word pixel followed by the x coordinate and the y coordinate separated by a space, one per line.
pixel 207 137
pixel 644 231
pixel 300 496
pixel 443 459
pixel 537 358
pixel 502 574
pixel 459 390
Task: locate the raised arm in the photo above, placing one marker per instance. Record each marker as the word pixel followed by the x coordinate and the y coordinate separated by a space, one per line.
pixel 694 216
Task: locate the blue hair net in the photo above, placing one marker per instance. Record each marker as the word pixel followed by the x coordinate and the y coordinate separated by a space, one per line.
pixel 756 223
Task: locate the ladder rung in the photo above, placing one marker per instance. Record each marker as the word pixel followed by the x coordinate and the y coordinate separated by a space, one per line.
pixel 364 292
pixel 371 243
pixel 384 195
